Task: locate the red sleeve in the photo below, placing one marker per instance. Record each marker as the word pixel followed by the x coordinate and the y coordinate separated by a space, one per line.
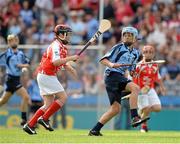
pixel 136 75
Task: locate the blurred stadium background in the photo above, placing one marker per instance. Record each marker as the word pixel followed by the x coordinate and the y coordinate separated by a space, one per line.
pixel 158 22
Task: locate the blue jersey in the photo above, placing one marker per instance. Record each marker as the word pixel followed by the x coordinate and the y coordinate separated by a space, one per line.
pixel 11 59
pixel 33 91
pixel 123 55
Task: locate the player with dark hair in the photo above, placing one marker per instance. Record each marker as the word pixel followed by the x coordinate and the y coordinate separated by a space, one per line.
pixel 54 58
pixel 146 75
pixel 15 61
pixel 116 82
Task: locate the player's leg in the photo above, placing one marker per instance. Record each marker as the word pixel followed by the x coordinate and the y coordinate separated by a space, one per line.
pixel 145 113
pixel 35 105
pixel 53 108
pixel 5 97
pixel 112 111
pixel 136 120
pixel 155 108
pixel 154 101
pixel 30 126
pixel 114 98
pixel 108 115
pixel 151 103
pixel 24 103
pixel 143 105
pixel 7 93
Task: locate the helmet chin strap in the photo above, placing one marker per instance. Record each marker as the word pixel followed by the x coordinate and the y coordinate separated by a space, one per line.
pixel 63 39
pixel 148 60
pixel 130 43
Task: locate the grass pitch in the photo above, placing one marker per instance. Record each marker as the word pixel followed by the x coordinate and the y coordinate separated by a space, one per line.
pixel 16 135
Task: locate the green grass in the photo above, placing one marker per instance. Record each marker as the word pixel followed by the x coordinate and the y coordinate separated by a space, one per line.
pixel 16 135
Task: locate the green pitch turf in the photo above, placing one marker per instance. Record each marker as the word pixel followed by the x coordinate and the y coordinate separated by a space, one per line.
pixel 16 135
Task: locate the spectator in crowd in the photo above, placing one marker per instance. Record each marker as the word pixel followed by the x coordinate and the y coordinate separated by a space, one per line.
pixel 91 23
pixel 108 10
pixel 90 83
pixel 26 13
pixel 78 27
pixel 77 4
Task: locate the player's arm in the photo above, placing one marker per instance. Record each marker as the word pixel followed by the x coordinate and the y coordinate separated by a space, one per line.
pixel 61 61
pixel 23 65
pixel 25 62
pixel 162 87
pixel 105 59
pixel 108 63
pixel 3 58
pixel 57 60
pixel 161 84
pixel 71 71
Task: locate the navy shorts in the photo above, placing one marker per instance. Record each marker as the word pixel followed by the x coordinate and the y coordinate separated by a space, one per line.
pixel 13 83
pixel 115 83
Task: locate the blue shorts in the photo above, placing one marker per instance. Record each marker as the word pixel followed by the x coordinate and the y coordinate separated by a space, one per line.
pixel 115 83
pixel 13 83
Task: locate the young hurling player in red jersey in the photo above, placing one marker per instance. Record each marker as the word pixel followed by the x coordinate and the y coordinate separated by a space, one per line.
pixel 54 58
pixel 146 76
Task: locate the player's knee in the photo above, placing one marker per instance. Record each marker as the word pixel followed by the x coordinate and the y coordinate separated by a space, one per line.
pixel 3 101
pixel 157 108
pixel 63 99
pixel 146 110
pixel 26 98
pixel 115 110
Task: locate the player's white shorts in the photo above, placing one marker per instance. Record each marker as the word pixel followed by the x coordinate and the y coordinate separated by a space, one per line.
pixel 149 99
pixel 48 84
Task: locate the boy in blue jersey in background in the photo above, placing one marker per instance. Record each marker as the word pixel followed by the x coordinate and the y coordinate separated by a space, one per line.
pixel 117 61
pixel 14 60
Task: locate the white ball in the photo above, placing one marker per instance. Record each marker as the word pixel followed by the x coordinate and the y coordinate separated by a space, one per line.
pixel 24 69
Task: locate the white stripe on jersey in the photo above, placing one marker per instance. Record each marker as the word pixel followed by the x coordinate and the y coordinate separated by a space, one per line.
pixel 55 51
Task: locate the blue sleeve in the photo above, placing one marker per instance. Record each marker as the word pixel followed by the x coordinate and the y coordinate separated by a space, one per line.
pixel 3 58
pixel 25 59
pixel 133 67
pixel 110 53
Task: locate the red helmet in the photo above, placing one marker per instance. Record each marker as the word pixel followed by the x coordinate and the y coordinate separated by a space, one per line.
pixel 62 29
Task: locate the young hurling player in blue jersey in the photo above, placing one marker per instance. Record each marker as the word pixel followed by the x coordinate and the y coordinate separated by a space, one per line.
pixel 14 60
pixel 116 82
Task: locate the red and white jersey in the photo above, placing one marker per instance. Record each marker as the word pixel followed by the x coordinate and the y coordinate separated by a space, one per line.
pixel 146 75
pixel 55 51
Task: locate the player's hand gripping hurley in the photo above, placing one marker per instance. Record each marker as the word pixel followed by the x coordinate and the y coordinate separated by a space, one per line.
pixel 103 26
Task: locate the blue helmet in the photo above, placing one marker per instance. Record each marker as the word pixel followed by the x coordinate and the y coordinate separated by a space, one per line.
pixel 132 30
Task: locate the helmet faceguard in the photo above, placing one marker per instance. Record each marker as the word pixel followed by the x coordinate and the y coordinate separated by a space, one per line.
pixel 62 31
pixel 130 38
